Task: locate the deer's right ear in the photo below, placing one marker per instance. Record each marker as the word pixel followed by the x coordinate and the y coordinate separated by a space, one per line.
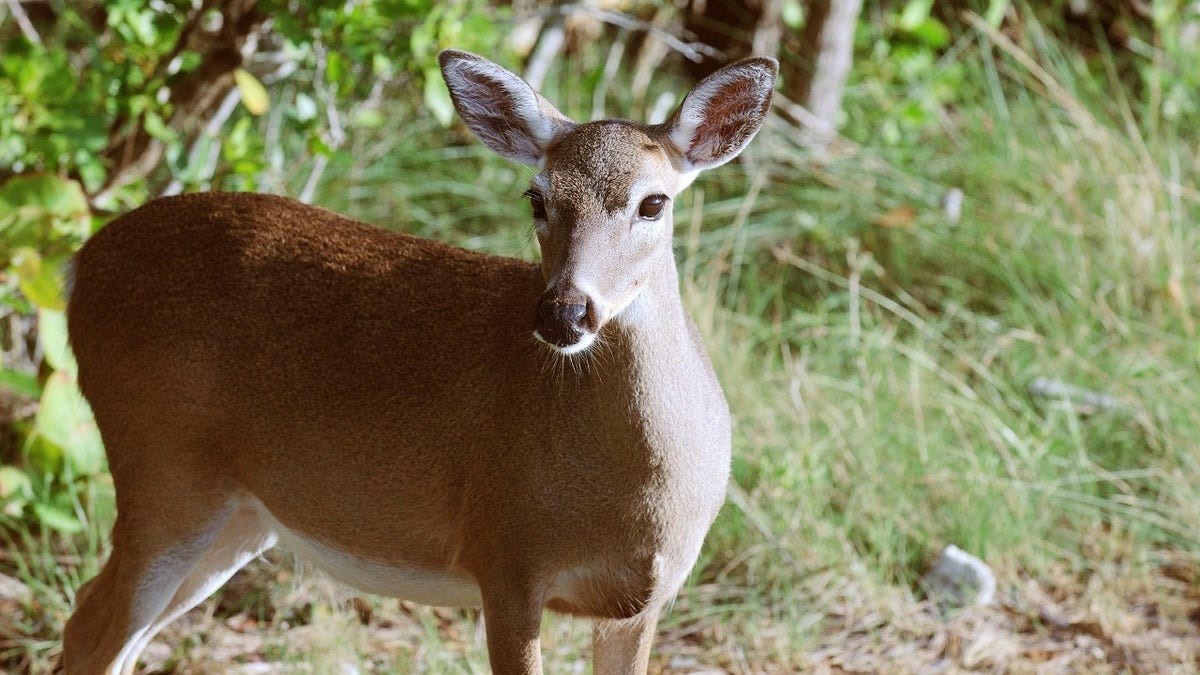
pixel 505 113
pixel 722 114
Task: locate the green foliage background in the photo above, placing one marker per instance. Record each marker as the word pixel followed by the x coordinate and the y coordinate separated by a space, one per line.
pixel 882 355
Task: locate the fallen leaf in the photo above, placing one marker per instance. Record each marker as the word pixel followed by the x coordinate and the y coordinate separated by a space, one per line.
pixel 901 216
pixel 1174 290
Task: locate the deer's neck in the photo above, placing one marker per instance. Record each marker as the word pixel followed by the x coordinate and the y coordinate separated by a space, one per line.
pixel 666 378
pixel 655 332
pixel 672 444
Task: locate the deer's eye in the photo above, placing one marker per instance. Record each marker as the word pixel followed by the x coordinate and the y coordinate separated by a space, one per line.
pixel 651 207
pixel 538 202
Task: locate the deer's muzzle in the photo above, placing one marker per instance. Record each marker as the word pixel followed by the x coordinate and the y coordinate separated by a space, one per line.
pixel 563 322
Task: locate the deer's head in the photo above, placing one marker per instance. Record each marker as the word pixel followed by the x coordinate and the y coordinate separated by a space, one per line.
pixel 603 194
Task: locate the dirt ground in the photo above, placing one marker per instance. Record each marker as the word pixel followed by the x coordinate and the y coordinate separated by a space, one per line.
pixel 1105 622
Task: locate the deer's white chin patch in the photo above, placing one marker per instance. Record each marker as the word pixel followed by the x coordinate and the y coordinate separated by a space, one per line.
pixel 585 341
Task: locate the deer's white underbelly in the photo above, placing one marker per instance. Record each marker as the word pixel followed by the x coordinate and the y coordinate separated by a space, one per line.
pixel 418 584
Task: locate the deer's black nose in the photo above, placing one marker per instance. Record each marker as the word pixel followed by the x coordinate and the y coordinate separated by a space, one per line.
pixel 558 319
pixel 564 313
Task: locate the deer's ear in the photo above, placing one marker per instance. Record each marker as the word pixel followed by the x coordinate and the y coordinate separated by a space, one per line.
pixel 720 116
pixel 505 113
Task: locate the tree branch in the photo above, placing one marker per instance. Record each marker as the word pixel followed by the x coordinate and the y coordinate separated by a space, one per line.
pixel 693 51
pixel 133 153
pixel 22 19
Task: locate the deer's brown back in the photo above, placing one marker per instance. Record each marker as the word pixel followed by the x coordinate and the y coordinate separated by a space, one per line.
pixel 301 344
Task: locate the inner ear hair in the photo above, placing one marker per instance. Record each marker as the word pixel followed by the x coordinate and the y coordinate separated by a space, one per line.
pixel 503 111
pixel 720 116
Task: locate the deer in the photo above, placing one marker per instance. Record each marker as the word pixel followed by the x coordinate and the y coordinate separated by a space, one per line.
pixel 398 412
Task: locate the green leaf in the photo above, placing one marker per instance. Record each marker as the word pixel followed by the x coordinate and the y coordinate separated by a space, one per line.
pixel 437 97
pixel 58 409
pixel 421 42
pixel 65 419
pixel 334 68
pixel 996 11
pixel 305 109
pixel 38 278
pixel 793 14
pixel 369 119
pixel 475 27
pixel 42 456
pixel 52 337
pixel 86 452
pixel 254 94
pixel 931 33
pixel 22 384
pixel 914 14
pixel 157 127
pixel 381 66
pixel 35 208
pixel 92 172
pixel 317 145
pixel 57 518
pixel 15 484
pixel 142 24
pixel 189 60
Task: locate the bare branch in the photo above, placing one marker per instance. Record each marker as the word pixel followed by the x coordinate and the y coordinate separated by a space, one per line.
pixel 335 136
pixel 549 44
pixel 27 29
pixel 208 141
pixel 611 65
pixel 693 51
pixel 812 123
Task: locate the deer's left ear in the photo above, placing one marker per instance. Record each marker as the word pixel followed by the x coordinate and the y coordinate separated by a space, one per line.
pixel 720 116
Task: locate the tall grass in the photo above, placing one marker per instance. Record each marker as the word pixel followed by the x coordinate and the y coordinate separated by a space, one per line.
pixel 881 377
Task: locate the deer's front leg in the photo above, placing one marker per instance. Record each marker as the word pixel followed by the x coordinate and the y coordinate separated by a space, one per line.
pixel 622 646
pixel 512 616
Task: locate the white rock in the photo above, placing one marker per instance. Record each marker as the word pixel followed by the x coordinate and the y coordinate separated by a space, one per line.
pixel 960 578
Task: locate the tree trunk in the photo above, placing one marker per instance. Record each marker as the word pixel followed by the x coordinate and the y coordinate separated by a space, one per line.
pixel 818 76
pixel 728 27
